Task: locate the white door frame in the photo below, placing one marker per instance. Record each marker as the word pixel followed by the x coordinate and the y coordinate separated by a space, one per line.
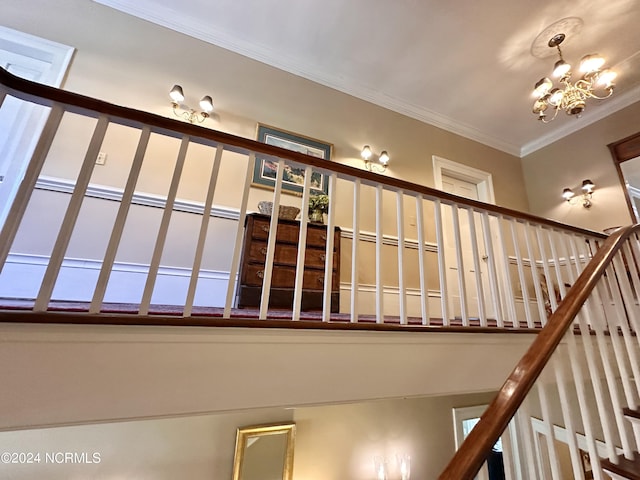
pixel 482 179
pixel 484 184
pixel 512 468
pixel 51 61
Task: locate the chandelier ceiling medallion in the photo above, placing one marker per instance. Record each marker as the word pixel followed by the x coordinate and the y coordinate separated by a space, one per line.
pixel 570 97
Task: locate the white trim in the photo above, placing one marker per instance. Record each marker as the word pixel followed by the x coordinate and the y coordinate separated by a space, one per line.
pixel 22 273
pixel 62 185
pixel 57 54
pixel 104 192
pixel 482 179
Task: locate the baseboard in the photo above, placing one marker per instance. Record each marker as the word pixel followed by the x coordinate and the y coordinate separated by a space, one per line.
pixel 23 273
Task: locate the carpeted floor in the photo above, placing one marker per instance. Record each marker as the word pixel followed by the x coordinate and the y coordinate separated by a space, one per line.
pixel 12 304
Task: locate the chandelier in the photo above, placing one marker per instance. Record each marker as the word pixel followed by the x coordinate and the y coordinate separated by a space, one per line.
pixel 571 97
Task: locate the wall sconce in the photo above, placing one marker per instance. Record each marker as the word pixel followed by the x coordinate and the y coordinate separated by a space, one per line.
pixel 587 192
pixel 382 160
pixel 190 114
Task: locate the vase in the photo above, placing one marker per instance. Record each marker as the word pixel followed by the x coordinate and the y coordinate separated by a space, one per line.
pixel 316 216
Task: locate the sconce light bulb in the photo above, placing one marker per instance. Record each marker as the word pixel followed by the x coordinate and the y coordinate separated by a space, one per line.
pixel 176 94
pixel 384 158
pixel 366 152
pixel 206 104
pixel 567 194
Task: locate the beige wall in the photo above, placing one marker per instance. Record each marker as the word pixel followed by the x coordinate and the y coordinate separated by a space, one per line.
pixel 332 442
pixel 134 63
pixel 574 158
pixel 341 441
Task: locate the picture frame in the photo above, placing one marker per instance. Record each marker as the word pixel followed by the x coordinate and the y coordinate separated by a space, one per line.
pixel 264 174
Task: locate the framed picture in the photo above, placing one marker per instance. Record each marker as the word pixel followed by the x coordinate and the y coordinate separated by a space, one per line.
pixel 264 174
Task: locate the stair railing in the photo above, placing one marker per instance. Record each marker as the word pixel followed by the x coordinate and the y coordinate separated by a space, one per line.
pixel 572 386
pixel 411 255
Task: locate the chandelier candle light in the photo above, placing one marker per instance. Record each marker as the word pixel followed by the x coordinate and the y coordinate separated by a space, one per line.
pixel 571 97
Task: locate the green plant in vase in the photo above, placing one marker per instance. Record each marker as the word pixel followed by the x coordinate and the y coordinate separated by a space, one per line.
pixel 318 206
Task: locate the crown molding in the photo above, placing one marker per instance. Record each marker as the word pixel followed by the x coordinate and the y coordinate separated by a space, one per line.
pixel 179 22
pixel 612 105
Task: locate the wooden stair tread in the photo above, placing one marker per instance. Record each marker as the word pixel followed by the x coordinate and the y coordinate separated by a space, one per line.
pixel 629 469
pixel 628 412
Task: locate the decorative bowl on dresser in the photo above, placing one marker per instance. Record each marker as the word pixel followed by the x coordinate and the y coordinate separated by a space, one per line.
pixel 254 252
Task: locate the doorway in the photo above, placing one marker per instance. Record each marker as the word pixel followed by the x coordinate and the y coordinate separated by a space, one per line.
pixel 471 183
pixel 21 123
pixel 501 464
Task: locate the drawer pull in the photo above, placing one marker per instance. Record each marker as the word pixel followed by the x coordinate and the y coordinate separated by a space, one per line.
pixel 323 236
pixel 323 257
pixel 263 250
pixel 264 228
pixel 260 273
pixel 321 280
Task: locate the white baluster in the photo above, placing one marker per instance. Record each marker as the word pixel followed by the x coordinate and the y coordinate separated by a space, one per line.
pixel 535 274
pixel 328 261
pixel 491 266
pixel 548 424
pixel 461 270
pixel 16 212
pixel 164 228
pixel 476 267
pixel 71 216
pixel 508 282
pixel 355 249
pixel 528 440
pixel 424 289
pixel 202 236
pixel 118 226
pixel 271 243
pixel 442 267
pixel 523 284
pixel 302 243
pixel 235 258
pixel 402 301
pixel 379 245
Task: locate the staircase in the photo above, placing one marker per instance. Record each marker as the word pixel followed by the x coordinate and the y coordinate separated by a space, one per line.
pixel 574 381
pixel 624 468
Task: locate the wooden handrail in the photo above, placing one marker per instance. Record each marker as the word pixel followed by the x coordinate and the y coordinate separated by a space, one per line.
pixel 469 458
pixel 48 96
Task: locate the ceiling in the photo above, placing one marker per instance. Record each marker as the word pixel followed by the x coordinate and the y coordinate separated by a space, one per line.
pixel 465 66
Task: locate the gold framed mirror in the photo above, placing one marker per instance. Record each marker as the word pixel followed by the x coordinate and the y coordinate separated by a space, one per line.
pixel 264 452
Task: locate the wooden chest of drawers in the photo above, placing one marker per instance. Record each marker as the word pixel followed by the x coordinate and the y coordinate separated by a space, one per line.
pixel 283 276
